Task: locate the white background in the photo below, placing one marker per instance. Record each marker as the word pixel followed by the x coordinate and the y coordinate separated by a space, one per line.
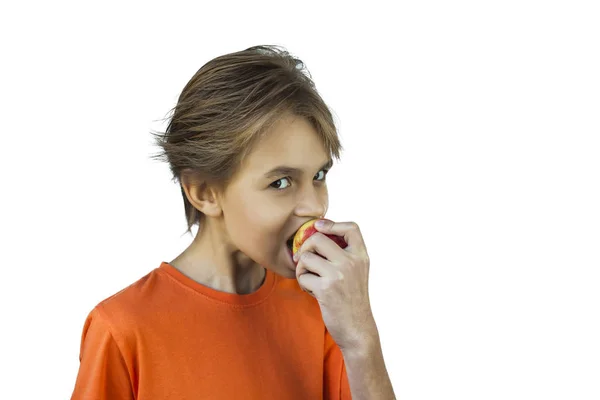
pixel 471 164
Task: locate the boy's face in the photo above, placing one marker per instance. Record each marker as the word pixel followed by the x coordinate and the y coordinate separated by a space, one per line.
pixel 262 211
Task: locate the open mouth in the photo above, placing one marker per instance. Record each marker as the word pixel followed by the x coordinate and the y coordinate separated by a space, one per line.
pixel 290 242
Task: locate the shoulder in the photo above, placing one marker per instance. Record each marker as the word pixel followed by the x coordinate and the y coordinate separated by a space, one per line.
pixel 122 312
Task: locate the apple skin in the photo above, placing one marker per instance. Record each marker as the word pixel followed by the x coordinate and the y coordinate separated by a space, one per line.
pixel 307 230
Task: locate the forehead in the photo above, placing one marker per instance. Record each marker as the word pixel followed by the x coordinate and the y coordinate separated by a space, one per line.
pixel 293 142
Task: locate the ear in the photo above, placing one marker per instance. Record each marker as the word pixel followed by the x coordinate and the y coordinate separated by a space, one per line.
pixel 203 197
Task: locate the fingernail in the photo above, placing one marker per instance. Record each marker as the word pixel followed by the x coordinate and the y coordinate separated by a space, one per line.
pixel 320 223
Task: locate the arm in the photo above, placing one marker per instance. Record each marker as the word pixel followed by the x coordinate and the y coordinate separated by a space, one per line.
pixel 103 373
pixel 365 367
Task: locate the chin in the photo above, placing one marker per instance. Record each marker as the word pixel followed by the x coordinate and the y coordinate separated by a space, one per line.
pixel 284 272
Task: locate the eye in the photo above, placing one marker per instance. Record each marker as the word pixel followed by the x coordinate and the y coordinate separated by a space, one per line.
pixel 324 174
pixel 325 171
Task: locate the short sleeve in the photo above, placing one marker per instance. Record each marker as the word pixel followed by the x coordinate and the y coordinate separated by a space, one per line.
pixel 102 373
pixel 335 379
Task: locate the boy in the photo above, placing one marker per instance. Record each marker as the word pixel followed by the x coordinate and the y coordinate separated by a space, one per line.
pixel 233 316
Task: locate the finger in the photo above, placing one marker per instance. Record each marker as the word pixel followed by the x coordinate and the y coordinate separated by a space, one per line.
pixel 321 245
pixel 350 231
pixel 309 283
pixel 311 263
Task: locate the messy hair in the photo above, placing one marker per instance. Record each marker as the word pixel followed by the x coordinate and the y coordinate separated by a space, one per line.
pixel 227 106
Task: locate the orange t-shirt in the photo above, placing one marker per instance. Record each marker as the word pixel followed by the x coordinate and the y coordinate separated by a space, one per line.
pixel 167 336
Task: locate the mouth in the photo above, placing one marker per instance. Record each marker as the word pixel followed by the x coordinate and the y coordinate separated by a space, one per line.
pixel 289 246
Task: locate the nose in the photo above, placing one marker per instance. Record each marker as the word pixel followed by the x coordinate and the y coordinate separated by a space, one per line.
pixel 313 203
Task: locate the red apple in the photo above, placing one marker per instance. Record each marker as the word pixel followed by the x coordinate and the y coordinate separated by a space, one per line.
pixel 307 230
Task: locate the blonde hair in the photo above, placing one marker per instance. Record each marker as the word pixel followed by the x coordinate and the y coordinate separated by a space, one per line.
pixel 225 108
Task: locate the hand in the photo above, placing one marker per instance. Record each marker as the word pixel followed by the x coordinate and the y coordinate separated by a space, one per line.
pixel 339 280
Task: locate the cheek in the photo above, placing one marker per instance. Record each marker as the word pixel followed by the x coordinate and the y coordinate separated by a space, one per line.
pixel 259 226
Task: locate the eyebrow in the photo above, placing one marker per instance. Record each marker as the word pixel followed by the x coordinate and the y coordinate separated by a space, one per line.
pixel 287 170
